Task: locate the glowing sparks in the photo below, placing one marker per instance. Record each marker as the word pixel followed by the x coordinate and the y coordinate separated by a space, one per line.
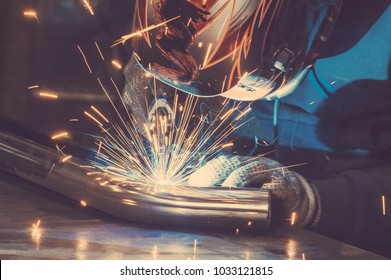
pixel 100 114
pixel 83 203
pixel 250 223
pixel 31 14
pixel 65 159
pixel 73 120
pixel 99 149
pixel 227 114
pixel 154 251
pixel 51 168
pixel 303 256
pixel 93 118
pixel 137 56
pixel 242 114
pixel 36 225
pixel 48 95
pixel 88 6
pixel 85 59
pixel 237 232
pixel 174 146
pixel 227 145
pixel 116 64
pixel 207 55
pixel 200 44
pixel 223 26
pixel 188 23
pixel 293 218
pixel 140 32
pixel 36 233
pixel 33 87
pixel 99 51
pixel 195 247
pixel 383 200
pixel 223 85
pixel 60 135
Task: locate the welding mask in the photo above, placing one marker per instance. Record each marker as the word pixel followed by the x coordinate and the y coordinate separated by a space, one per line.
pixel 244 50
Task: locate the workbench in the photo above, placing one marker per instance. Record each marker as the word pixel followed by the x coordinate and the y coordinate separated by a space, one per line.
pixel 36 223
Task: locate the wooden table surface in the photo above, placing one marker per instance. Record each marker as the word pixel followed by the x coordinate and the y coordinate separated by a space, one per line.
pixel 69 231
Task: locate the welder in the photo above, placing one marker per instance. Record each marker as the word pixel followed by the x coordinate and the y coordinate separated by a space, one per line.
pixel 317 96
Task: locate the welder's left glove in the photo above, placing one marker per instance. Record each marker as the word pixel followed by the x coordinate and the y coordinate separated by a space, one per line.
pixel 290 191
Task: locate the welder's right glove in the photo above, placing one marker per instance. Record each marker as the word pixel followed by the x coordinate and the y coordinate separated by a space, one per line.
pixel 290 191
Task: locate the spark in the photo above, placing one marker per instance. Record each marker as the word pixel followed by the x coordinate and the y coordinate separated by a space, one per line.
pixel 73 120
pixel 222 27
pixel 99 51
pixel 36 225
pixel 100 114
pixel 293 218
pixel 87 166
pixel 88 6
pixel 228 113
pixel 155 251
pixel 83 203
pixel 48 95
pixel 99 148
pixel 195 246
pixel 36 233
pixel 85 59
pixel 65 159
pixel 245 112
pixel 227 145
pixel 137 56
pixel 59 150
pixel 116 64
pixel 237 231
pixel 173 147
pixel 32 87
pixel 250 223
pixel 200 44
pixel 188 23
pixel 94 172
pixel 51 169
pixel 140 32
pixel 383 199
pixel 31 14
pixel 93 118
pixel 303 256
pixel 60 135
pixel 207 55
pixel 223 85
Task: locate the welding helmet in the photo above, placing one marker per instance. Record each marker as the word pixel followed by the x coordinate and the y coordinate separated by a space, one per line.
pixel 244 50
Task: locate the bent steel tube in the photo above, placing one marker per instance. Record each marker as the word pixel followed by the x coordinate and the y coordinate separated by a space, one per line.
pixel 211 207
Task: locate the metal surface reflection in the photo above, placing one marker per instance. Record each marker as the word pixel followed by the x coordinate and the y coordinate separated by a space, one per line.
pixel 238 208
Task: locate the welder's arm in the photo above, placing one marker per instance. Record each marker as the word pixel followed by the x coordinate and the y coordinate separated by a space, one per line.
pixel 290 191
pixel 354 206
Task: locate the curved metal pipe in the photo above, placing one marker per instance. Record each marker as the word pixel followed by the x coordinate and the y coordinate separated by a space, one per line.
pixel 214 207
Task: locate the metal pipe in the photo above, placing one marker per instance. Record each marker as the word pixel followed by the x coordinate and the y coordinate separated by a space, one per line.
pixel 212 207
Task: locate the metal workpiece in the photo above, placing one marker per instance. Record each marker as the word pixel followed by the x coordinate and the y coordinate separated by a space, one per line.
pixel 210 207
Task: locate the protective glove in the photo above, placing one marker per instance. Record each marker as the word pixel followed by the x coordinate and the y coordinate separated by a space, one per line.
pixel 290 191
